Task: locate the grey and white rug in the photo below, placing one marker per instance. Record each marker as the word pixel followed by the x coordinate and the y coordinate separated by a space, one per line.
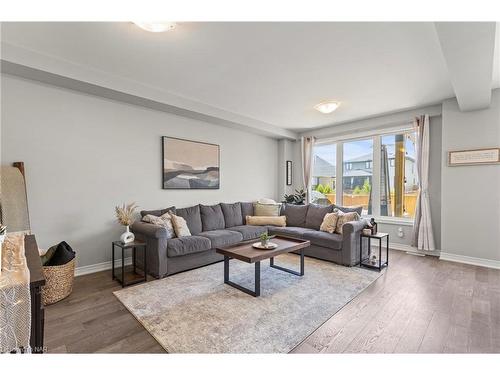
pixel 195 312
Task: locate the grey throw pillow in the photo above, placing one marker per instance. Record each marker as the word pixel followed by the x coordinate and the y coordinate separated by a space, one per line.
pixel 315 215
pixel 232 214
pixel 295 215
pixel 192 217
pixel 212 217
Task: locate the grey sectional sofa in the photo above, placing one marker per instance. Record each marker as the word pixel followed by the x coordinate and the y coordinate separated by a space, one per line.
pixel 224 224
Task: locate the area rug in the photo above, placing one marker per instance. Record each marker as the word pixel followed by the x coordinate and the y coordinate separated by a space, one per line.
pixel 195 312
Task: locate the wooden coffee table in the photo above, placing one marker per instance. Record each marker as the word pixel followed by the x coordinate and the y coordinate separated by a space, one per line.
pixel 246 253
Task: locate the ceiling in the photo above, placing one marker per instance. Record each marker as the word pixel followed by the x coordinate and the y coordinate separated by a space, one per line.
pixel 273 73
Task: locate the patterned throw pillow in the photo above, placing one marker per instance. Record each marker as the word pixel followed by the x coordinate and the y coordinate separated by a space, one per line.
pixel 180 226
pixel 329 223
pixel 345 217
pixel 164 220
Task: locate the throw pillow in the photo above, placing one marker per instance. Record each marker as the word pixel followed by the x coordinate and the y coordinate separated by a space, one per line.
pixel 180 226
pixel 267 209
pixel 45 258
pixel 329 223
pixel 63 254
pixel 164 221
pixel 345 217
pixel 278 221
pixel 358 209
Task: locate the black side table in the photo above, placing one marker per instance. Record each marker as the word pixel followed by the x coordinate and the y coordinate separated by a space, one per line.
pixel 366 262
pixel 136 278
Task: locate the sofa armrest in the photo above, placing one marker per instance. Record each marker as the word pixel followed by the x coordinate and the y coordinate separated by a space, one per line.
pixel 149 230
pixel 155 237
pixel 350 241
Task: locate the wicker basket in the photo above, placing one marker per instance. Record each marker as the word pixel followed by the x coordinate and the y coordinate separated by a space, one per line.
pixel 58 282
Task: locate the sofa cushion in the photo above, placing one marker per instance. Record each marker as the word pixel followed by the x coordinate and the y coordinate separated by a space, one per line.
pixel 222 237
pixel 232 214
pixel 246 210
pixel 268 209
pixel 187 245
pixel 295 215
pixel 212 217
pixel 192 217
pixel 358 209
pixel 295 232
pixel 315 215
pixel 158 212
pixel 277 221
pixel 249 232
pixel 324 239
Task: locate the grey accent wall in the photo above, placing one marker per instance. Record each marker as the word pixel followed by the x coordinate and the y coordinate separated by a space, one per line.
pixel 86 154
pixel 470 218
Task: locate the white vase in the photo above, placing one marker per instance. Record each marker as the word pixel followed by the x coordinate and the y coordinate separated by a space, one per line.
pixel 128 236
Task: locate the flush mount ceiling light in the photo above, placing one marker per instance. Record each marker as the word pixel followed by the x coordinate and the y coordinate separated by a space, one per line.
pixel 327 107
pixel 156 27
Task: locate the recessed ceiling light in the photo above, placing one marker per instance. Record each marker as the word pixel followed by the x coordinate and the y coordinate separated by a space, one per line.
pixel 156 27
pixel 327 107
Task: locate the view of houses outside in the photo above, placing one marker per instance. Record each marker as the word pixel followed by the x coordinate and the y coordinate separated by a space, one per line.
pixel 358 174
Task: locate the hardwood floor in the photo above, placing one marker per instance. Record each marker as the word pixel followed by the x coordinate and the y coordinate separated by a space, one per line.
pixel 419 305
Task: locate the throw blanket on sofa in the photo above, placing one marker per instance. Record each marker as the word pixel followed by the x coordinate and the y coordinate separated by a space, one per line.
pixel 15 300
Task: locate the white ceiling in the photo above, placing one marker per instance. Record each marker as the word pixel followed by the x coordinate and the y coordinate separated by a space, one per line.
pixel 271 72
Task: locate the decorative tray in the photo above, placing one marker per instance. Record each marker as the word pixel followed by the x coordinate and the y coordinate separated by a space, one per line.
pixel 270 246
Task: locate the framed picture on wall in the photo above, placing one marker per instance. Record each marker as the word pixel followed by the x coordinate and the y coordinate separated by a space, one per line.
pixel 190 164
pixel 288 172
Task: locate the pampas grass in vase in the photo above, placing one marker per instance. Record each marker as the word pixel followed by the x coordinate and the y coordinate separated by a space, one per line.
pixel 125 216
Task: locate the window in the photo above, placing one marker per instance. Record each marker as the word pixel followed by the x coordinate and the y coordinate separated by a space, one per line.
pixel 324 171
pixel 394 172
pixel 357 179
pixel 398 180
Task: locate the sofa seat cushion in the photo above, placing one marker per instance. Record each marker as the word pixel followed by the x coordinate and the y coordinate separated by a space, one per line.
pixel 295 232
pixel 222 237
pixel 324 239
pixel 249 232
pixel 187 245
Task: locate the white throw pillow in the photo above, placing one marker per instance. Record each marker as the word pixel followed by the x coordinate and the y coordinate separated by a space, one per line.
pixel 329 222
pixel 345 217
pixel 164 220
pixel 266 201
pixel 180 226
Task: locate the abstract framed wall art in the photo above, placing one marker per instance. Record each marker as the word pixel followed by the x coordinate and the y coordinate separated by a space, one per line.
pixel 190 164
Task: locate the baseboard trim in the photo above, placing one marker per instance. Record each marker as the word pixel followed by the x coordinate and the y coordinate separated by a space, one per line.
pixel 104 266
pixel 408 248
pixel 482 262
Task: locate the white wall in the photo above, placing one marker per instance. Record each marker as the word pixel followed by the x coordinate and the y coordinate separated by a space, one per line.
pixel 85 154
pixel 471 194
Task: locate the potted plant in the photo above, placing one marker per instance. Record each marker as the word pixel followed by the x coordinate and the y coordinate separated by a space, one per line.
pixel 264 239
pixel 125 216
pixel 298 197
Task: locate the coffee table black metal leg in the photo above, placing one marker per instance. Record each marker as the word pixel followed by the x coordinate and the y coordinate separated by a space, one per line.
pixel 300 273
pixel 255 292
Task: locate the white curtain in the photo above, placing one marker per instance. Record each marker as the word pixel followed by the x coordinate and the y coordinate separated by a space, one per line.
pixel 423 237
pixel 307 144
